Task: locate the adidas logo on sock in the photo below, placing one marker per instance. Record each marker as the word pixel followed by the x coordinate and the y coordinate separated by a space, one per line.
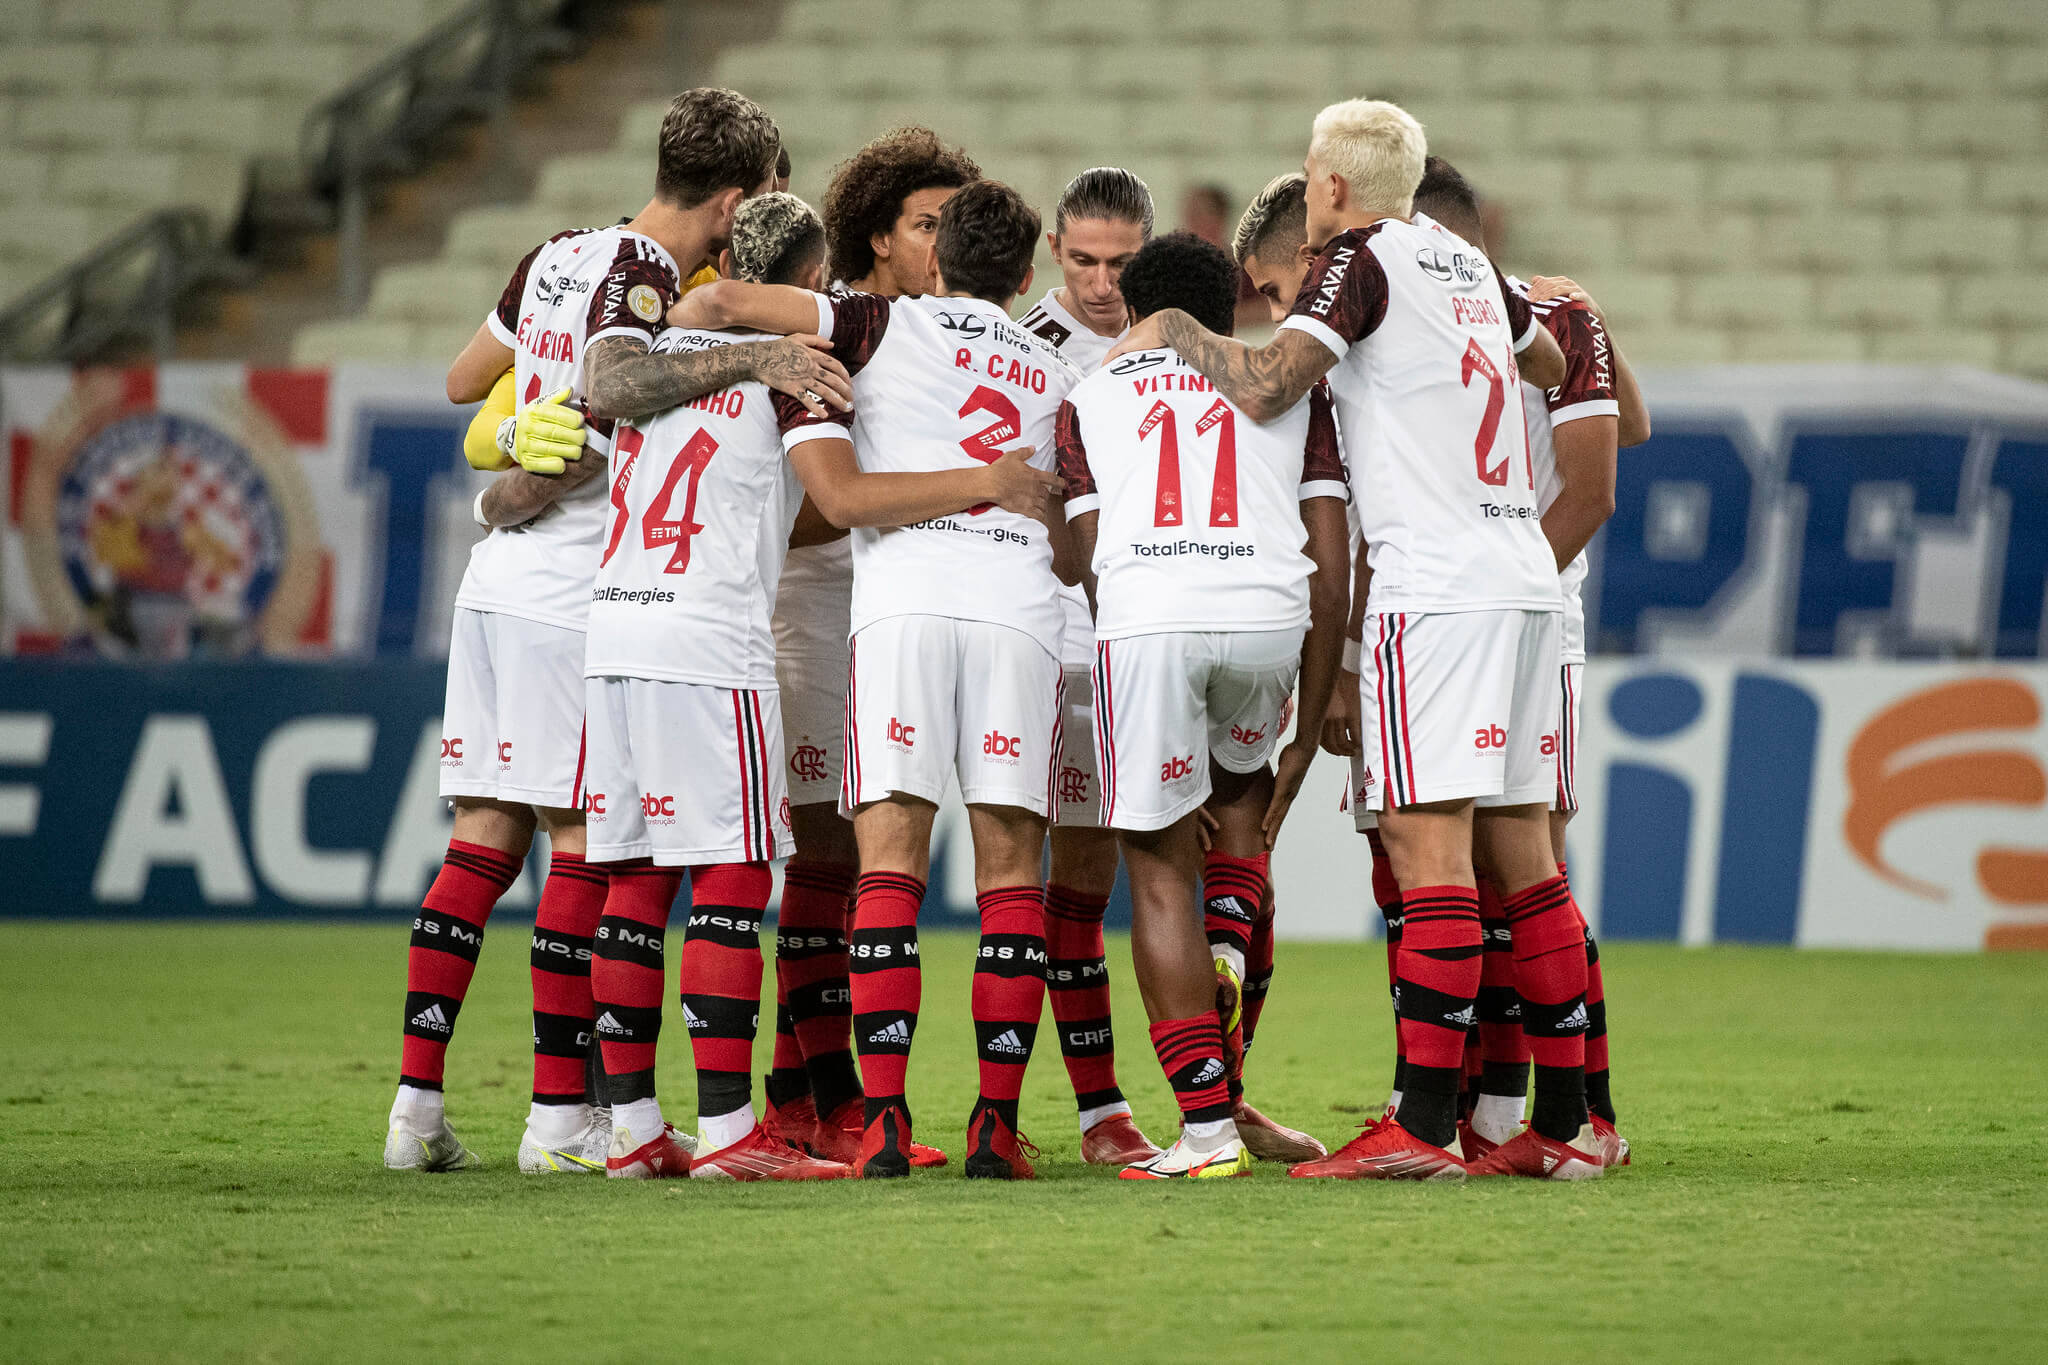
pixel 431 1017
pixel 607 1024
pixel 1008 1041
pixel 1575 1020
pixel 691 1019
pixel 898 1032
pixel 1211 1072
pixel 1463 1018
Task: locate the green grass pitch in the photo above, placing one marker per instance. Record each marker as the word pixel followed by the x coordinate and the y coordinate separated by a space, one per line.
pixel 1839 1157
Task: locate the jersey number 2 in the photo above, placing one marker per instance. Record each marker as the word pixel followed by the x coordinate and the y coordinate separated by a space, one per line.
pixel 1166 504
pixel 1476 362
pixel 656 528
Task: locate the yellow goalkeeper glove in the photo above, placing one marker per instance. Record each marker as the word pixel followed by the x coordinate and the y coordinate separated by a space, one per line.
pixel 480 444
pixel 549 434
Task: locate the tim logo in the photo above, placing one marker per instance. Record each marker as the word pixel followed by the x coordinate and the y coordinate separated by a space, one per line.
pixel 904 736
pixel 807 762
pixel 1002 746
pixel 1247 737
pixel 1073 787
pixel 1177 769
pixel 451 752
pixel 1489 737
pixel 1887 783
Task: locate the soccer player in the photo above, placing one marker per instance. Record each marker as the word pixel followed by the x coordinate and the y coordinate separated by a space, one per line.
pixel 685 728
pixel 1103 216
pixel 1420 339
pixel 1206 611
pixel 513 726
pixel 1575 431
pixel 881 214
pixel 956 637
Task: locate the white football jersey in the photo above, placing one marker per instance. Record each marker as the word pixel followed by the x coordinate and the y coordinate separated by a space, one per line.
pixel 1430 401
pixel 1084 350
pixel 943 383
pixel 1199 507
pixel 699 516
pixel 1587 391
pixel 570 291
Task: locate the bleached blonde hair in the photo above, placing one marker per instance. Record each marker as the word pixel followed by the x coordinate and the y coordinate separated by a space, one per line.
pixel 1281 207
pixel 1377 147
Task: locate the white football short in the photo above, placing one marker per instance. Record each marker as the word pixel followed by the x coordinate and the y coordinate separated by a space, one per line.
pixel 813 725
pixel 1570 677
pixel 512 725
pixel 1166 704
pixel 684 773
pixel 1077 787
pixel 1458 705
pixel 930 696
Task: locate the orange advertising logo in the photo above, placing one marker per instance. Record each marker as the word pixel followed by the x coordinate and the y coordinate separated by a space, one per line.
pixel 1886 784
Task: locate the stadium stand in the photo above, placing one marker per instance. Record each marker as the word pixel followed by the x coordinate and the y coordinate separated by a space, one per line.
pixel 1742 180
pixel 119 108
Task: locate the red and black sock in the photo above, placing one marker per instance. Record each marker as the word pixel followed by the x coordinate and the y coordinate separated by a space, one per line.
pixel 1258 968
pixel 1009 992
pixel 721 980
pixel 886 982
pixel 1438 972
pixel 1077 982
pixel 1599 1087
pixel 447 935
pixel 811 979
pixel 626 970
pixel 1233 889
pixel 1191 1054
pixel 1550 976
pixel 1503 1053
pixel 564 925
pixel 1386 893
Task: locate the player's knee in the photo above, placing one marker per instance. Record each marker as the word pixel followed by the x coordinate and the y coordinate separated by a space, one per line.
pixel 1084 859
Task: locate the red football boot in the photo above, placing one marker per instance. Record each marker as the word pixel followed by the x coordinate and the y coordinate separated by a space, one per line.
pixel 1529 1153
pixel 795 1123
pixel 1116 1141
pixel 884 1146
pixel 1384 1150
pixel 1613 1146
pixel 663 1157
pixel 757 1156
pixel 839 1134
pixel 1270 1141
pixel 1473 1144
pixel 996 1153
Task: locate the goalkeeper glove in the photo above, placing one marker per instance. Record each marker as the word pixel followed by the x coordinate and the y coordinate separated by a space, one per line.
pixel 548 435
pixel 482 444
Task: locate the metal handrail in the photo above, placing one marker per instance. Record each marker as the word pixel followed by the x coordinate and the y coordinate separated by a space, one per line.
pixel 127 286
pixel 463 66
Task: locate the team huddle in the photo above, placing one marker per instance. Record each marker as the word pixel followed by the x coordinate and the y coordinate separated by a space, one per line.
pixel 793 527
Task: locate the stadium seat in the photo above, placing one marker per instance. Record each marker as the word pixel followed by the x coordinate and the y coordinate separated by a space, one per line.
pixel 1737 180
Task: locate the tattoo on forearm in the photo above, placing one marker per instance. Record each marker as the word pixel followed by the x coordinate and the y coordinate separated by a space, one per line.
pixel 517 497
pixel 625 380
pixel 1271 379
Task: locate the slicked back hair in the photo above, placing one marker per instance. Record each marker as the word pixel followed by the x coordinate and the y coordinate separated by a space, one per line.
pixel 1377 147
pixel 869 187
pixel 1448 197
pixel 987 237
pixel 1107 192
pixel 1278 217
pixel 775 237
pixel 713 140
pixel 1182 271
